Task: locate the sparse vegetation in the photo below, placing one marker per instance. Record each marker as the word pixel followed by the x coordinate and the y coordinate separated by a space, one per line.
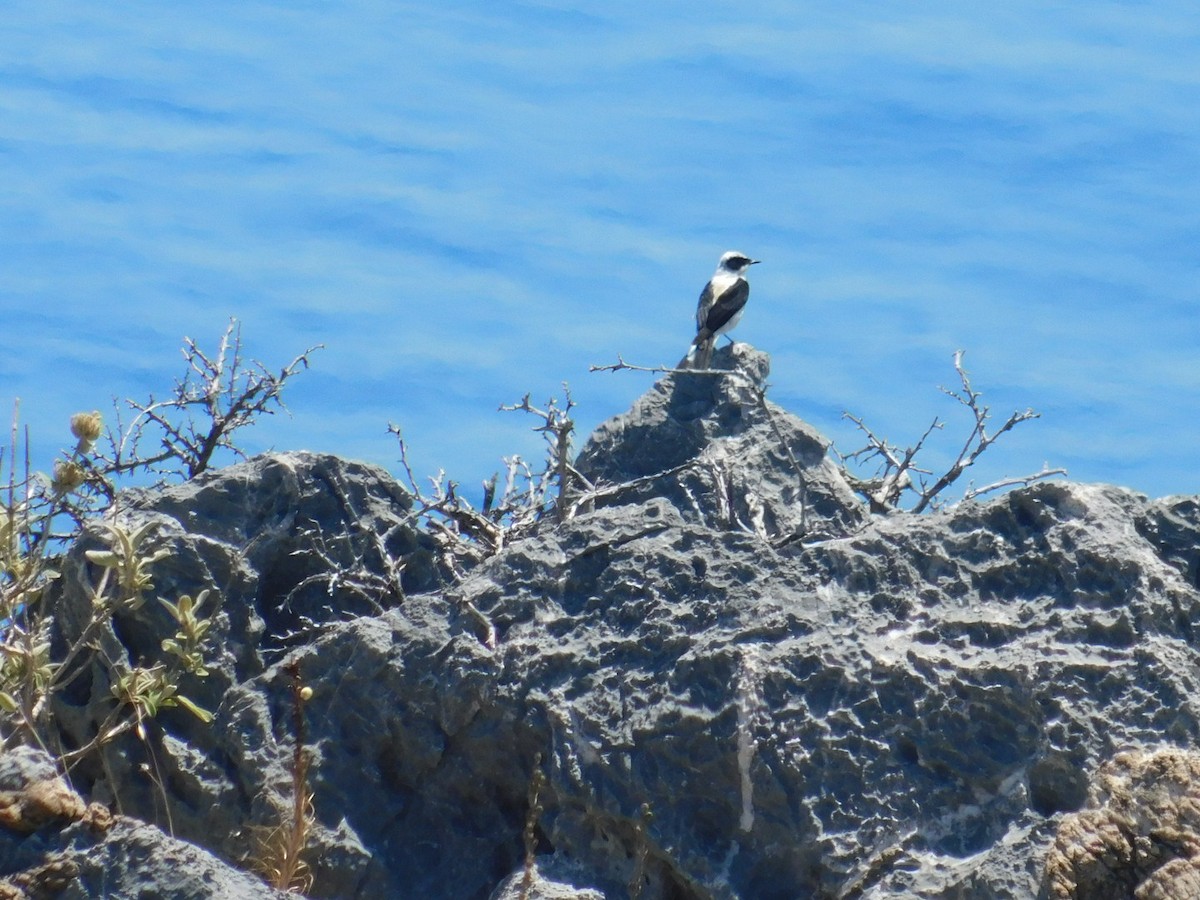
pixel 41 515
pixel 886 488
pixel 217 395
pixel 466 535
pixel 30 675
pixel 280 856
pixel 533 813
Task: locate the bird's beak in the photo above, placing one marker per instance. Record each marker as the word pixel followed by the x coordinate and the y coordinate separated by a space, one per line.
pixel 755 262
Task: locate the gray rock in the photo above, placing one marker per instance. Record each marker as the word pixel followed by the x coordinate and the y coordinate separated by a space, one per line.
pixel 52 845
pixel 552 878
pixel 288 544
pixel 906 708
pixel 726 455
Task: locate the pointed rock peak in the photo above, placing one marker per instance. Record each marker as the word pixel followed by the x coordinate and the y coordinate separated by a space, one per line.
pixel 723 454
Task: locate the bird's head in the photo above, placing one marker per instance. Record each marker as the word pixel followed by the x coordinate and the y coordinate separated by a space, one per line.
pixel 735 262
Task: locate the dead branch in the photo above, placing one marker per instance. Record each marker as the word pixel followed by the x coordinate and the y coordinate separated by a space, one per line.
pixel 884 491
pixel 217 395
pixel 977 441
pixel 557 429
pixel 1023 481
pixel 466 535
pixel 894 476
pixel 344 570
pixel 620 365
pixel 588 498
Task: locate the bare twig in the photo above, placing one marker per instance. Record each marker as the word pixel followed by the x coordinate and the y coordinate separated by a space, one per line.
pixel 588 498
pixel 894 476
pixel 1024 480
pixel 557 429
pixel 621 365
pixel 351 576
pixel 467 535
pixel 217 395
pixel 883 493
pixel 978 440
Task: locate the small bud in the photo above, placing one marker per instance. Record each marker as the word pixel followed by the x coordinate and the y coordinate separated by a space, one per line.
pixel 306 693
pixel 68 475
pixel 87 427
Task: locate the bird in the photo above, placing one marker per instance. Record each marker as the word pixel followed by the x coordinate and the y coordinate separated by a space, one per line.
pixel 721 304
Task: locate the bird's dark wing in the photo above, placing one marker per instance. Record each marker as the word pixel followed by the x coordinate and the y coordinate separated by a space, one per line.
pixel 705 304
pixel 724 307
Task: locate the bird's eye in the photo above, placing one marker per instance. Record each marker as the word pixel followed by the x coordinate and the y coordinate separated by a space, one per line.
pixel 738 262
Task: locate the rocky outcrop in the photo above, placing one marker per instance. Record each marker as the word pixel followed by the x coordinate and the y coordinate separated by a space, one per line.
pixel 899 706
pixel 723 455
pixel 53 844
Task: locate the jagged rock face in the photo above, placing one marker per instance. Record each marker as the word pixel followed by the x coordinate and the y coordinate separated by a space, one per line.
pixel 725 451
pixel 287 544
pixel 908 708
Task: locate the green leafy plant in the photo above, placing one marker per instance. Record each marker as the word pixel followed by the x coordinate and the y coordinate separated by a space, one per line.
pixel 130 564
pixel 186 645
pixel 41 515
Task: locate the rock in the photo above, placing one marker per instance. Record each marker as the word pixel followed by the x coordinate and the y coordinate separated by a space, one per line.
pixel 910 706
pixel 1140 836
pixel 552 878
pixel 287 544
pixel 56 845
pixel 724 453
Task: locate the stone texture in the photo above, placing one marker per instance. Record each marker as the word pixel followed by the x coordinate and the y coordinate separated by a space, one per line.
pixel 53 844
pixel 730 451
pixel 1140 837
pixel 290 543
pixel 553 878
pixel 901 706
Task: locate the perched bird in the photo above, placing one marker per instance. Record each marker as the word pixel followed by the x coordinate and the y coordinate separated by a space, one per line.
pixel 721 305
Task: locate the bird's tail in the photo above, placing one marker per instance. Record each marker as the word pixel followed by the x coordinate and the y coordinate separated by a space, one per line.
pixel 700 355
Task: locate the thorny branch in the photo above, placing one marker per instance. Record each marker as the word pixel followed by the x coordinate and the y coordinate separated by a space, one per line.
pixel 894 477
pixel 1024 480
pixel 467 535
pixel 557 430
pixel 883 493
pixel 221 390
pixel 344 568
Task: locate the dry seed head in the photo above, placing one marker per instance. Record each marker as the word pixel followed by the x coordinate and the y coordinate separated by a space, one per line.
pixel 68 475
pixel 87 427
